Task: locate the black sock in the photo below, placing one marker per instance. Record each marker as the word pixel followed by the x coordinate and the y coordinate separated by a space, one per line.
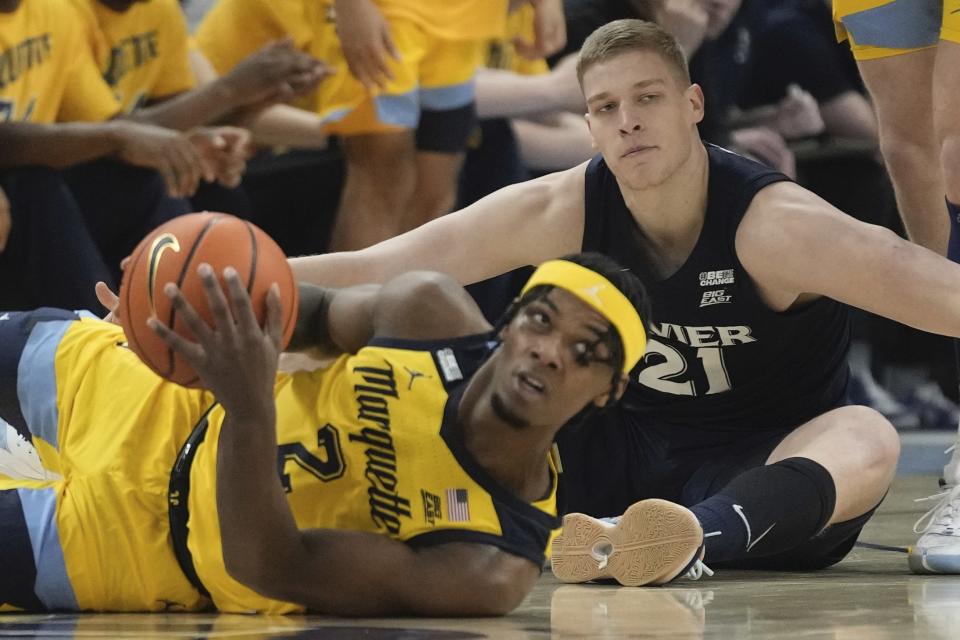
pixel 767 510
pixel 953 253
pixel 953 244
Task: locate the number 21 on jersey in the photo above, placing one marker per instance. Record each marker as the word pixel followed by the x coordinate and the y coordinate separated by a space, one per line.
pixel 672 373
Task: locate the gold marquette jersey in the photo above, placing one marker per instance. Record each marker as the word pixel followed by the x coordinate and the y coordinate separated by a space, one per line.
pixel 126 502
pixel 451 19
pixel 47 73
pixel 143 52
pixel 371 444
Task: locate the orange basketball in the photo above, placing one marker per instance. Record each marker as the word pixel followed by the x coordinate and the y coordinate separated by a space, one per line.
pixel 172 253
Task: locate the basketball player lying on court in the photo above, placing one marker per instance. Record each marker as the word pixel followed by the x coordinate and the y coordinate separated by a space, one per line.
pixel 413 475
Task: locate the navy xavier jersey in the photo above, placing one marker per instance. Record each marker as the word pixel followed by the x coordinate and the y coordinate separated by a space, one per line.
pixel 718 358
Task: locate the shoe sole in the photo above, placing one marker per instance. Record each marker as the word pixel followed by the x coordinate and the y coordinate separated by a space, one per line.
pixel 654 542
pixel 949 565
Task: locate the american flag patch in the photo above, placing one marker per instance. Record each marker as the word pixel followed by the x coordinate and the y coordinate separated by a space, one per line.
pixel 458 508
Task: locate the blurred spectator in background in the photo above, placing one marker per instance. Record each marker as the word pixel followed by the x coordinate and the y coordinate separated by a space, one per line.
pixel 531 117
pixel 401 100
pixel 67 232
pixel 143 52
pixel 795 45
pixel 907 52
pixel 915 42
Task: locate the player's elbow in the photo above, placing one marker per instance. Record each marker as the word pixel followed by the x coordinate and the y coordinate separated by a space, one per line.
pixel 500 595
pixel 244 568
pixel 262 572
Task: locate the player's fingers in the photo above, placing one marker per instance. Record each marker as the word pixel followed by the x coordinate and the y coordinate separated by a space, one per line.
pixel 304 82
pixel 192 352
pixel 106 297
pixel 202 156
pixel 382 59
pixel 526 49
pixel 274 326
pixel 363 72
pixel 390 46
pixel 222 317
pixel 173 166
pixel 240 304
pixel 186 169
pixel 166 170
pixel 187 313
pixel 285 92
pixel 199 165
pixel 234 176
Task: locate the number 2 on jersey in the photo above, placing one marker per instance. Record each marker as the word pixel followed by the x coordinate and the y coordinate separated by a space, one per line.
pixel 327 465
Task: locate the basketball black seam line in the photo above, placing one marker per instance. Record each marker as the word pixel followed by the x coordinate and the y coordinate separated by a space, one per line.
pixel 253 256
pixel 183 274
pixel 133 330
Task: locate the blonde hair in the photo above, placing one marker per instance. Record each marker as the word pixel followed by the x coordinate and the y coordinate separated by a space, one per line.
pixel 623 36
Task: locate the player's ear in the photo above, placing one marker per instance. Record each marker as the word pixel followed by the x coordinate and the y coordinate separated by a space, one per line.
pixel 694 94
pixel 613 394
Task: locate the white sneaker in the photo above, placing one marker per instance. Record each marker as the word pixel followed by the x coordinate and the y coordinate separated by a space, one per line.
pixel 951 472
pixel 653 542
pixel 19 460
pixel 938 549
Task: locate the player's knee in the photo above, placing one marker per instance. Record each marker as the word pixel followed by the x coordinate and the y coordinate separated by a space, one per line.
pixel 903 153
pixel 501 594
pixel 422 285
pixel 876 438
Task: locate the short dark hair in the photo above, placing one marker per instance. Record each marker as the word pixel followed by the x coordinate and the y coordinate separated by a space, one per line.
pixel 630 34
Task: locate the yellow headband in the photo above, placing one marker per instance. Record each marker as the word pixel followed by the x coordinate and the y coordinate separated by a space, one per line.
pixel 598 292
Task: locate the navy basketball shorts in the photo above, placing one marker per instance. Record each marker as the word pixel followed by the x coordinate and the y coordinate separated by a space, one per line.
pixel 617 458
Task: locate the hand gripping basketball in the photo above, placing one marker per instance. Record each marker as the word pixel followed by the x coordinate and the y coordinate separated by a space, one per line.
pixel 172 253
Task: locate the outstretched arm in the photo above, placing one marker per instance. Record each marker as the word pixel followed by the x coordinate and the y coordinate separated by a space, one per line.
pixel 340 572
pixel 276 73
pixel 415 306
pixel 269 123
pixel 56 146
pixel 516 226
pixel 795 244
pixel 333 321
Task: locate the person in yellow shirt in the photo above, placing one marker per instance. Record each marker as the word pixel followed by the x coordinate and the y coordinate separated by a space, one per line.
pixel 917 42
pixel 530 116
pixel 143 51
pixel 401 100
pixel 141 48
pixel 412 475
pixel 56 112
